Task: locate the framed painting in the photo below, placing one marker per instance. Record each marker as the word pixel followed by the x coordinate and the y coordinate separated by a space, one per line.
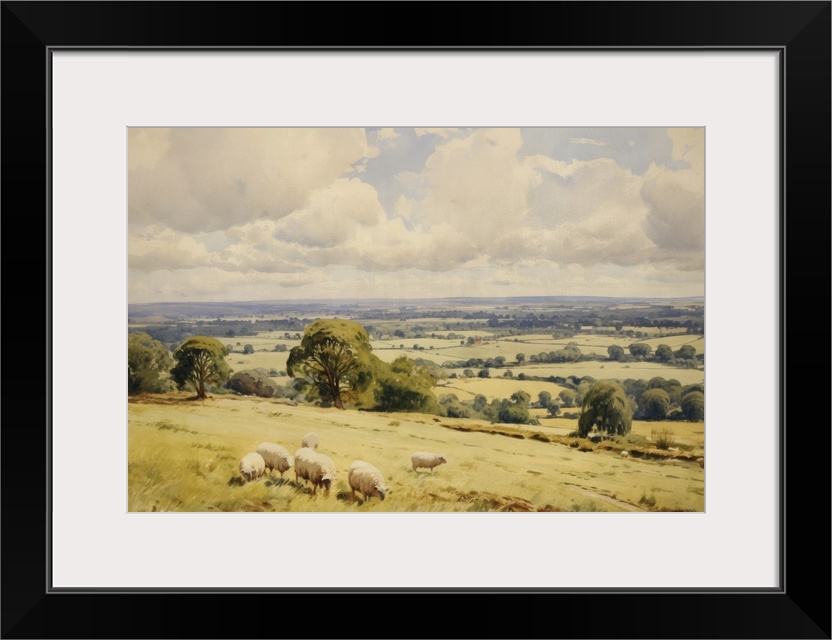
pixel 482 270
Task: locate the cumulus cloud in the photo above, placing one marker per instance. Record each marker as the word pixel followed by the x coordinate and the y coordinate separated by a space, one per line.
pixel 239 215
pixel 387 133
pixel 441 132
pixel 477 184
pixel 689 147
pixel 676 220
pixel 676 199
pixel 158 248
pixel 147 147
pixel 200 180
pixel 574 191
pixel 344 208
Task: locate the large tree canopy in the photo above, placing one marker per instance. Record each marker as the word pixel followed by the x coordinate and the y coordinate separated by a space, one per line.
pixel 606 406
pixel 664 353
pixel 686 352
pixel 654 404
pixel 640 349
pixel 199 361
pixel 404 385
pixel 615 352
pixel 693 406
pixel 147 359
pixel 334 354
pixel 337 357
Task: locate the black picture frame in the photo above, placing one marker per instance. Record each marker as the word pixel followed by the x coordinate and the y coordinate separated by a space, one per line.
pixel 799 608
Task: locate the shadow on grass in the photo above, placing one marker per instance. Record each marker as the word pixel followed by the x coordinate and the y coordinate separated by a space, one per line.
pixel 346 496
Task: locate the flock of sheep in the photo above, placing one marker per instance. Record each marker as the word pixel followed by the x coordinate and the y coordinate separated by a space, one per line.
pixel 312 466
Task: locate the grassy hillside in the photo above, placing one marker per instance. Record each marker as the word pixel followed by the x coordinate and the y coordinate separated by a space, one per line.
pixel 184 456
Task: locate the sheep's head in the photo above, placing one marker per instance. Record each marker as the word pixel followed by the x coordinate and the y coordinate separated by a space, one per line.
pixel 381 491
pixel 442 460
pixel 326 482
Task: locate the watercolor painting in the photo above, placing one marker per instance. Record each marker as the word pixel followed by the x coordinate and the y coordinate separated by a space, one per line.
pixel 416 319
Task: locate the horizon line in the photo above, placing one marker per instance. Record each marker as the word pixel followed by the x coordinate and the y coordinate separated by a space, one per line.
pixel 440 298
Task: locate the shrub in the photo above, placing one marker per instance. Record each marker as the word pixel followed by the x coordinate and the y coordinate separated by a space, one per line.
pixel 648 502
pixel 253 383
pixel 514 414
pixel 663 439
pixel 147 360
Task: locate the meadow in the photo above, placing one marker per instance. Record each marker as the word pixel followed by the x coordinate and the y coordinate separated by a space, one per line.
pixel 496 386
pixel 184 456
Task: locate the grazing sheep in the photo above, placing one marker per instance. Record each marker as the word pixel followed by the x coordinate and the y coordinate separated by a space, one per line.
pixel 276 457
pixel 310 441
pixel 367 480
pixel 625 454
pixel 314 467
pixel 423 460
pixel 252 466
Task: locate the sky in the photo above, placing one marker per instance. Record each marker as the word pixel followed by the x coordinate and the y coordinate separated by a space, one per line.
pixel 239 214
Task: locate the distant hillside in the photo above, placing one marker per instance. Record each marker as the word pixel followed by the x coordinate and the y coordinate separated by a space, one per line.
pixel 351 307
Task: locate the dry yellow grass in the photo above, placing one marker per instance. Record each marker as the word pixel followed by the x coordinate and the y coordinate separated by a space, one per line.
pixel 258 360
pixel 617 370
pixel 491 388
pixel 184 456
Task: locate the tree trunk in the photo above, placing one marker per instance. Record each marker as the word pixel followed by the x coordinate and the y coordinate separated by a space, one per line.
pixel 334 390
pixel 336 397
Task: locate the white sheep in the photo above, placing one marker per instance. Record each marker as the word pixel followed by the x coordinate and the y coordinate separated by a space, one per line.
pixel 276 457
pixel 310 441
pixel 424 460
pixel 252 466
pixel 367 480
pixel 314 467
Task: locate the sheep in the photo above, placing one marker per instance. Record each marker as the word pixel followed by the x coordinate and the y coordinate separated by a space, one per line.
pixel 314 467
pixel 276 457
pixel 311 441
pixel 423 460
pixel 367 480
pixel 252 466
